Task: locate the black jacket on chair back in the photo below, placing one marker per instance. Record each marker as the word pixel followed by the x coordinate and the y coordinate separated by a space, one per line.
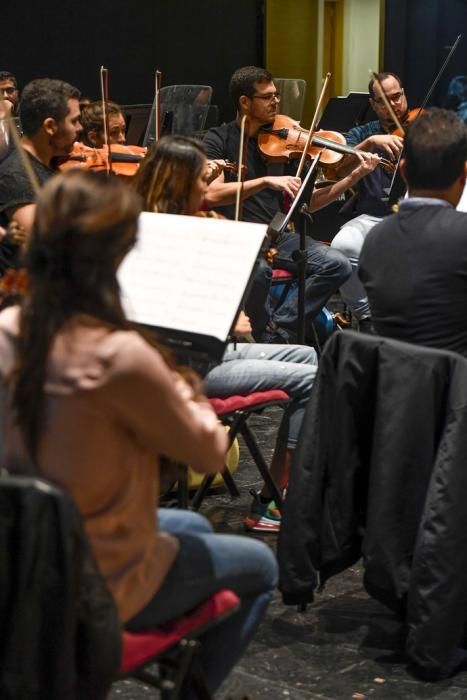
pixel 60 634
pixel 381 472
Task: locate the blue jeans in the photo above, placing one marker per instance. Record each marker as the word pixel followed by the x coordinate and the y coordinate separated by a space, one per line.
pixel 257 302
pixel 259 367
pixel 327 270
pixel 207 562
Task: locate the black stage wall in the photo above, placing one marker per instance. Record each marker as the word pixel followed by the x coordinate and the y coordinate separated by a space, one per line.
pixel 418 34
pixel 190 41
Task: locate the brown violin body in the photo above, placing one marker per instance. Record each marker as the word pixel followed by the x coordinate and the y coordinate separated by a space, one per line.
pixel 125 159
pixel 286 141
pixel 410 117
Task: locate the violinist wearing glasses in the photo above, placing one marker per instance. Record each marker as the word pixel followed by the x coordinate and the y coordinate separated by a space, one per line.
pixel 372 201
pixel 254 94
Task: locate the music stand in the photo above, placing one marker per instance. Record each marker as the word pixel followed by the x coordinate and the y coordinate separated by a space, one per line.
pixel 298 211
pixel 136 117
pixel 343 113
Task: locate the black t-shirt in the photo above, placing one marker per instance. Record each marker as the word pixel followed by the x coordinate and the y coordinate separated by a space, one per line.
pixel 413 266
pixel 16 191
pixel 224 142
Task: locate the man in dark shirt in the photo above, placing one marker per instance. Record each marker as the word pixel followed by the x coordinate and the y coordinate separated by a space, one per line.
pixel 372 191
pixel 253 92
pixel 50 121
pixel 414 263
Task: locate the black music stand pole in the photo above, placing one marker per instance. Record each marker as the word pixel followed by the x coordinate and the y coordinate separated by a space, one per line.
pixel 305 224
pixel 300 257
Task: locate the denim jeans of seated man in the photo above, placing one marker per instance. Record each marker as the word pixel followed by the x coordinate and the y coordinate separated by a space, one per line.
pixel 326 270
pixel 249 367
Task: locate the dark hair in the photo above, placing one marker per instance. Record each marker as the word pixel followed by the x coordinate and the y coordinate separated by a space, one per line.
pixel 6 75
pixel 165 177
pixel 84 223
pixel 92 118
pixel 435 149
pixel 43 98
pixel 243 82
pixel 382 76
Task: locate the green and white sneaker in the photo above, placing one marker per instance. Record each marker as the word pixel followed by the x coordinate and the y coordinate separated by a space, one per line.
pixel 263 517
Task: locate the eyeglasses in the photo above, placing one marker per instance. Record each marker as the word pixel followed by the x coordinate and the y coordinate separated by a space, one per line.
pixel 8 90
pixel 395 97
pixel 269 96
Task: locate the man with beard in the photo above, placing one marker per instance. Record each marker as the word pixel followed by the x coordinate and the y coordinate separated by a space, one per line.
pixel 372 190
pixel 254 94
pixel 50 122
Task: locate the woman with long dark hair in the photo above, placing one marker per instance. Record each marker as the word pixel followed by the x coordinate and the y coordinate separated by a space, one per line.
pixel 173 179
pixel 90 404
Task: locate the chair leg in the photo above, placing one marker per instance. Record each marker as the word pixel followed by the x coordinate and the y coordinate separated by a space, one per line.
pixel 177 673
pixel 261 464
pixel 230 483
pixel 201 491
pixel 206 484
pixel 182 489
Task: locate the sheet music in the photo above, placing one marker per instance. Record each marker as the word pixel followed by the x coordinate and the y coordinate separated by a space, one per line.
pixel 189 273
pixel 462 206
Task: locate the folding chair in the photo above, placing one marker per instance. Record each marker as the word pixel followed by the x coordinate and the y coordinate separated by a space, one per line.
pixel 235 411
pixel 174 649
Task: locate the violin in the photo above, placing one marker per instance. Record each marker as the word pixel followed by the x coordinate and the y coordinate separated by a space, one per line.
pixel 286 141
pixel 125 159
pixel 411 116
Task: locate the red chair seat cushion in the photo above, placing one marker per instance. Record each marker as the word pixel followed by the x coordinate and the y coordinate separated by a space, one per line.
pixel 278 274
pixel 255 400
pixel 141 647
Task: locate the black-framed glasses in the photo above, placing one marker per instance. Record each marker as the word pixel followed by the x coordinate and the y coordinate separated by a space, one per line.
pixel 395 97
pixel 269 96
pixel 8 90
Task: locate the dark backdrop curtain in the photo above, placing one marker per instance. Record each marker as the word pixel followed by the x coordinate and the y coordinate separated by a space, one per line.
pixel 418 35
pixel 190 41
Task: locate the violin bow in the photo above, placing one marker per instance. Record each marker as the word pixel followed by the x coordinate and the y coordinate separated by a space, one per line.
pixel 157 105
pixel 241 155
pixel 313 124
pixel 441 71
pixel 424 102
pixel 104 81
pixel 428 94
pixel 396 121
pixel 26 163
pixel 386 102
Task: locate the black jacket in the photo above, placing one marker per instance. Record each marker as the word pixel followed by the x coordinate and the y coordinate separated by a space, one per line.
pixel 381 472
pixel 60 635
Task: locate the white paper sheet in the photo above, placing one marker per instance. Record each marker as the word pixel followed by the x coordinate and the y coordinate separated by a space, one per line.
pixel 462 206
pixel 189 273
